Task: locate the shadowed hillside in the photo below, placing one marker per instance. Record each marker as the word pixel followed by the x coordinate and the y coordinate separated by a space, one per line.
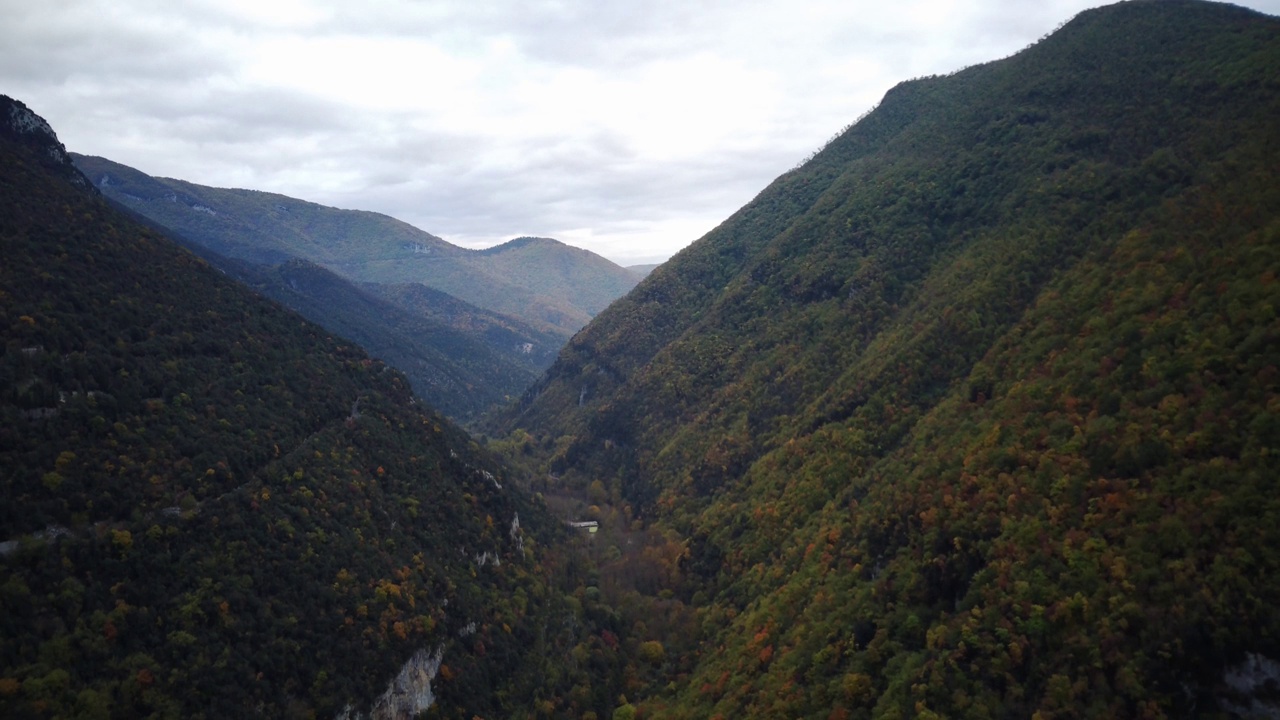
pixel 973 414
pixel 462 360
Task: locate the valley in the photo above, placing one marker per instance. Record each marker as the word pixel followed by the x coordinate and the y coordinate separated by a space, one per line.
pixel 973 414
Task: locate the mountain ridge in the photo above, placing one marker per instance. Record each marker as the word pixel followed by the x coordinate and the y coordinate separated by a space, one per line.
pixel 549 285
pixel 883 407
pixel 462 359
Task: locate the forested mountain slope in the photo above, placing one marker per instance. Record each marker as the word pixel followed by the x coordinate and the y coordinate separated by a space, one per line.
pixel 547 284
pixel 575 277
pixel 975 413
pixel 462 360
pixel 213 508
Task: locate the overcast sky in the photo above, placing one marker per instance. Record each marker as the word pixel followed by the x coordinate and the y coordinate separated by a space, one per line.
pixel 628 128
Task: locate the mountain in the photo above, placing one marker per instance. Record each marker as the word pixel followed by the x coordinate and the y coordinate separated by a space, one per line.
pixel 551 286
pixel 460 359
pixel 974 414
pixel 214 508
pixel 642 270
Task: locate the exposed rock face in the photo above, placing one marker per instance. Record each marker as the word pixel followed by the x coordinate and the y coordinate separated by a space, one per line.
pixel 517 534
pixel 1253 688
pixel 408 694
pixel 24 122
pixel 19 124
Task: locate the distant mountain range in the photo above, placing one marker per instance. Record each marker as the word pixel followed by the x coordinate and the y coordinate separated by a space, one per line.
pixel 976 414
pixel 549 285
pixel 462 358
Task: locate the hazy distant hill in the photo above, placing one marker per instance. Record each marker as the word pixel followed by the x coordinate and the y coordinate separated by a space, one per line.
pixel 976 413
pixel 532 348
pixel 461 359
pixel 571 277
pixel 643 270
pixel 547 284
pixel 214 508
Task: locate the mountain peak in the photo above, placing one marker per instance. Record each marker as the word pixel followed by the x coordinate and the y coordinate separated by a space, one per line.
pixel 521 242
pixel 23 121
pixel 21 125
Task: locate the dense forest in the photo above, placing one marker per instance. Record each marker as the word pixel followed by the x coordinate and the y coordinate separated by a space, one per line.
pixel 974 414
pixel 214 508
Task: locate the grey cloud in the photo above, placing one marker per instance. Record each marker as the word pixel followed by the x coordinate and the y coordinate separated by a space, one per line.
pixel 550 198
pixel 58 42
pixel 571 33
pixel 233 116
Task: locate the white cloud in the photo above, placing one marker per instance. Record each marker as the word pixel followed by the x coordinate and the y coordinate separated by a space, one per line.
pixel 628 127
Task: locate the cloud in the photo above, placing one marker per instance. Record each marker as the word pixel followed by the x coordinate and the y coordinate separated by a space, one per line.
pixel 627 127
